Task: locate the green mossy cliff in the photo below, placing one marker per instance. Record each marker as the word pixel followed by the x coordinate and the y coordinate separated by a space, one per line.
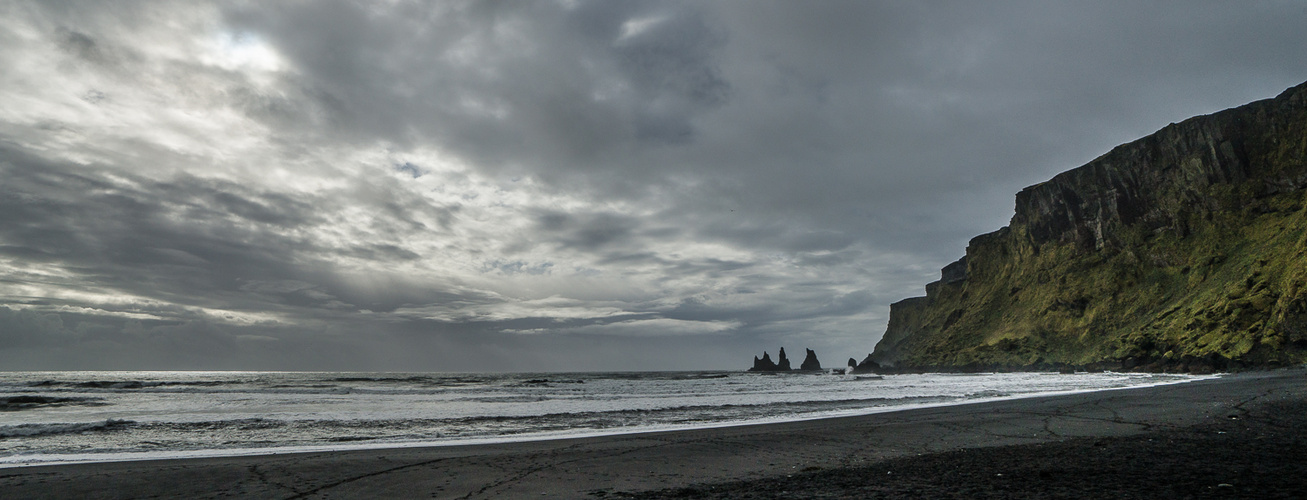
pixel 1182 251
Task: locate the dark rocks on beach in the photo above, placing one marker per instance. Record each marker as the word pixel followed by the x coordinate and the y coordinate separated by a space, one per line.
pixel 810 361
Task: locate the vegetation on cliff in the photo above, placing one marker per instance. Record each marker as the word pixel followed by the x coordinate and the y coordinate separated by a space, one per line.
pixel 1185 250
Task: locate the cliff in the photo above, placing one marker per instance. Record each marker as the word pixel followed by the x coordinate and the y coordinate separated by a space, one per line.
pixel 1185 250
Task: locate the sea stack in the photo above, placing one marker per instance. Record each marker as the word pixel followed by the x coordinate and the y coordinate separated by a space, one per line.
pixel 810 361
pixel 767 365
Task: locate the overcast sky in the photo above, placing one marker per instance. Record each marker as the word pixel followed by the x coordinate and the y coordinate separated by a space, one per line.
pixel 550 185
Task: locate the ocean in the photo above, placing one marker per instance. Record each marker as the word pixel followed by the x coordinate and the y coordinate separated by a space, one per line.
pixel 65 417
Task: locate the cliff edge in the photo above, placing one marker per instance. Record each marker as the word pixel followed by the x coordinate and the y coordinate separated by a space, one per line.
pixel 1185 250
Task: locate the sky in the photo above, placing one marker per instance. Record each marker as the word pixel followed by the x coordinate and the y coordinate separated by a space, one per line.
pixel 550 185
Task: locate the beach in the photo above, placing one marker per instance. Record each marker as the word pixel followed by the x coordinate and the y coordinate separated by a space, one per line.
pixel 1247 415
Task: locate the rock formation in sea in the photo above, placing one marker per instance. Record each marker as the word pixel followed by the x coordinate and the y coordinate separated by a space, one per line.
pixel 867 365
pixel 1185 250
pixel 810 361
pixel 767 365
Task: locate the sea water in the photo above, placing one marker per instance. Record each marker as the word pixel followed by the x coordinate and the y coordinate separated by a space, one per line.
pixel 61 417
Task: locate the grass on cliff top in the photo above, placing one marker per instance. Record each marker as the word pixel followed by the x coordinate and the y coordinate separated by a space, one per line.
pixel 1236 287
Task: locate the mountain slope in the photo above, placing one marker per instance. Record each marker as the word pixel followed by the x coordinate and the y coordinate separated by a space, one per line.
pixel 1185 250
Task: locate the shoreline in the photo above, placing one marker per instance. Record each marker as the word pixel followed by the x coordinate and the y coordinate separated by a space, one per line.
pixel 1257 451
pixel 48 460
pixel 596 467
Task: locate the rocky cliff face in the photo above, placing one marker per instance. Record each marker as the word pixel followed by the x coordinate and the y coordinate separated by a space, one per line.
pixel 1185 250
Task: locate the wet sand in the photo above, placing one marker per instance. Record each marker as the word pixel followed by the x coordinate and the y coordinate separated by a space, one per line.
pixel 1057 447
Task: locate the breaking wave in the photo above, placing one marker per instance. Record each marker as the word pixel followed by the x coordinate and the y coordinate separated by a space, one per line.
pixel 30 430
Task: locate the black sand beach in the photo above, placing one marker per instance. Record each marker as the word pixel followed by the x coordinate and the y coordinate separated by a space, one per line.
pixel 1238 436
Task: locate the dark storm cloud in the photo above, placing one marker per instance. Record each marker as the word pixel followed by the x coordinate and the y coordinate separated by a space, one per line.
pixel 588 232
pixel 860 118
pixel 551 185
pixel 502 82
pixel 204 240
pixel 116 231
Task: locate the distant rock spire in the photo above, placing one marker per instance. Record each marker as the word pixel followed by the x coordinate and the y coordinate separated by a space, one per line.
pixel 810 361
pixel 767 365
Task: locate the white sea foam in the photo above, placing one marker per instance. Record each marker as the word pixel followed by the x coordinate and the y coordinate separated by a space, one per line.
pixel 138 415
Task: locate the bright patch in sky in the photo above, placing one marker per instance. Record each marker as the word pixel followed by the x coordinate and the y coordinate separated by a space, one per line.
pixel 639 25
pixel 242 51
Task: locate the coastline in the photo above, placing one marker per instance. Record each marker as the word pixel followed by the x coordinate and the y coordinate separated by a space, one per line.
pixel 43 460
pixel 209 441
pixel 602 466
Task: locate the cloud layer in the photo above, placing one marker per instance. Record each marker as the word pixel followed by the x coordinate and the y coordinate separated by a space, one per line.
pixel 549 185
